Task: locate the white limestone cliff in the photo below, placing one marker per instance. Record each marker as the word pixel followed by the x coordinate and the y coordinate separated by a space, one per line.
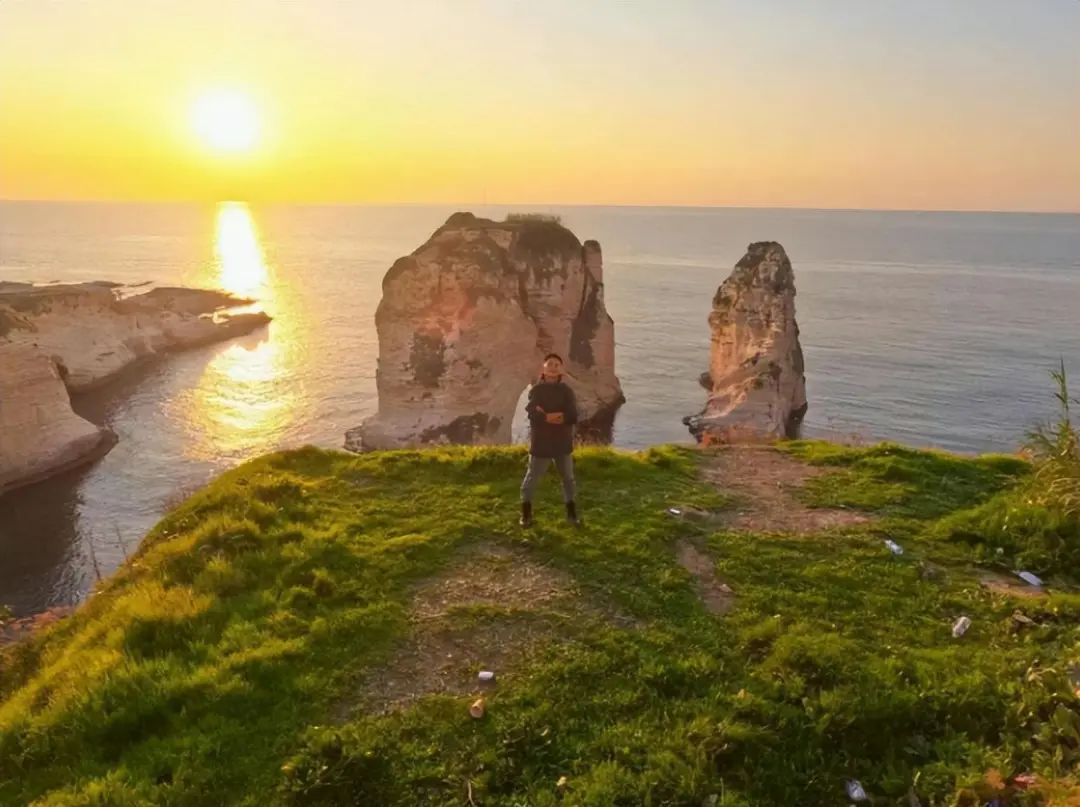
pixel 94 333
pixel 40 435
pixel 58 339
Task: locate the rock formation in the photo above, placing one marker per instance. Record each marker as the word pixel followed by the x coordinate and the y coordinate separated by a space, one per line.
pixel 61 338
pixel 465 321
pixel 756 380
pixel 93 332
pixel 39 434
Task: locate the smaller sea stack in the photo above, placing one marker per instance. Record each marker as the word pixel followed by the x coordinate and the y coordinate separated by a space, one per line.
pixel 756 379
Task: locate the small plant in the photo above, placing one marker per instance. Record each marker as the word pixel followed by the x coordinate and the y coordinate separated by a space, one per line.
pixel 1055 448
pixel 546 218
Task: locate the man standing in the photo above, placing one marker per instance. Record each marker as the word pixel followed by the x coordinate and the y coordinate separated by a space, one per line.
pixel 552 411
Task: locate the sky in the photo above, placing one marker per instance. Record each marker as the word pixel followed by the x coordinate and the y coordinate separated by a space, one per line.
pixel 890 104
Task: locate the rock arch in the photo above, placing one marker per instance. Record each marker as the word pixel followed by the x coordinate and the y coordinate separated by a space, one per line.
pixel 465 320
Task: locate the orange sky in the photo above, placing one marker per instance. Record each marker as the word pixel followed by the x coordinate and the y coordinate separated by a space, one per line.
pixel 922 104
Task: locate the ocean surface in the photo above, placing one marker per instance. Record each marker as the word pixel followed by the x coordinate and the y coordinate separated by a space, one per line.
pixel 934 329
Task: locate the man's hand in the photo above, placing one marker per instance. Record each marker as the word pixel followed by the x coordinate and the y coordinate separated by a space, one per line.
pixel 555 418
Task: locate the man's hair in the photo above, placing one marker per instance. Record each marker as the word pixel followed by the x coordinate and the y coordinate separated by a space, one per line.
pixel 553 356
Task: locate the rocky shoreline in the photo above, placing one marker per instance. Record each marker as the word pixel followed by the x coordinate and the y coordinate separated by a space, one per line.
pixel 65 338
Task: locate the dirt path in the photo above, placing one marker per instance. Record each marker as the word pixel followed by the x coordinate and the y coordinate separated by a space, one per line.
pixel 764 481
pixel 716 595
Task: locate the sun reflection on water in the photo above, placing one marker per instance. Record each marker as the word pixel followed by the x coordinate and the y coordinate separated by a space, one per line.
pixel 240 260
pixel 243 404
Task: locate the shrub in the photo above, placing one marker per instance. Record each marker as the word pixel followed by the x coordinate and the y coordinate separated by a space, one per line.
pixel 1056 451
pixel 546 218
pixel 1037 523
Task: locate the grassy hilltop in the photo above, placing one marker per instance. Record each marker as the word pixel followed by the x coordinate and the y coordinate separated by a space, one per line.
pixel 307 631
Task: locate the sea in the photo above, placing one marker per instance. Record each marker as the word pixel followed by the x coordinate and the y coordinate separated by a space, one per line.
pixel 926 328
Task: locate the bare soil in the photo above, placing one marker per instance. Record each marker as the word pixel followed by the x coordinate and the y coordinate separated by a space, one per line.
pixel 764 481
pixel 1009 586
pixel 14 630
pixel 531 604
pixel 715 594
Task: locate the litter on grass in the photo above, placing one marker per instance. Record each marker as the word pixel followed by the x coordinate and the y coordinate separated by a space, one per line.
pixel 1030 579
pixel 894 547
pixel 960 627
pixel 855 790
pixel 477 708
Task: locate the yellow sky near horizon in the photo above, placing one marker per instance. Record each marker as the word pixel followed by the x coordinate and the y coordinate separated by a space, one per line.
pixel 773 103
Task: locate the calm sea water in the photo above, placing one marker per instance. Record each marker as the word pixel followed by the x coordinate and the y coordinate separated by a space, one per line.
pixel 928 328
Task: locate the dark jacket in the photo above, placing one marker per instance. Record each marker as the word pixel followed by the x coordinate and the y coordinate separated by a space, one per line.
pixel 551 439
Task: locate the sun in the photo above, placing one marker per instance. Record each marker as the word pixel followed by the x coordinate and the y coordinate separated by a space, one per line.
pixel 226 120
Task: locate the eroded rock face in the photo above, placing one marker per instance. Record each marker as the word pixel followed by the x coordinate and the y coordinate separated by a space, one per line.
pixel 465 321
pixel 39 433
pixel 756 379
pixel 93 333
pixel 71 337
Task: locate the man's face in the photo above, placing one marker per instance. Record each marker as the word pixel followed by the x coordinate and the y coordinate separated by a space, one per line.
pixel 552 367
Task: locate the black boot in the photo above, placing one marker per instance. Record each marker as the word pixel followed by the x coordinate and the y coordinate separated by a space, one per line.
pixel 526 514
pixel 571 514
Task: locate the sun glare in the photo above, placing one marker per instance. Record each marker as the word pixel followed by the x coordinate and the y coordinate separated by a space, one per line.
pixel 239 254
pixel 226 120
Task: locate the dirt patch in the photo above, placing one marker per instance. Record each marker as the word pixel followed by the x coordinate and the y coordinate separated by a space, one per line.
pixel 1009 586
pixel 14 630
pixel 489 611
pixel 716 595
pixel 446 660
pixel 492 575
pixel 764 481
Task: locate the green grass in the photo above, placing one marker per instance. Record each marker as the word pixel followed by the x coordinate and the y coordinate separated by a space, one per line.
pixel 994 508
pixel 897 481
pixel 207 670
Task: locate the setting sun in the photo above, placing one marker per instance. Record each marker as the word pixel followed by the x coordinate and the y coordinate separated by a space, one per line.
pixel 226 120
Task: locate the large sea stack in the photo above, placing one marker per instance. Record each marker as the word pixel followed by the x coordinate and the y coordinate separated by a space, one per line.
pixel 465 321
pixel 756 380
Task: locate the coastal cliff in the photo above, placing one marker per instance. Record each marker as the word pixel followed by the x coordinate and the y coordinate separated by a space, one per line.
pixel 66 338
pixel 93 331
pixel 39 433
pixel 465 321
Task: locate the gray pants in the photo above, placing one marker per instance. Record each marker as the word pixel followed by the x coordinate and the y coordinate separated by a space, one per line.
pixel 538 467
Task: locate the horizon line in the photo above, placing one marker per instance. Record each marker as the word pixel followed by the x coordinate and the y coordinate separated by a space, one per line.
pixel 465 205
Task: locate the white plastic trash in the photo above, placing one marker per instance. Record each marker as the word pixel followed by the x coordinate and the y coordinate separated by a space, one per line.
pixel 486 676
pixel 675 511
pixel 1030 579
pixel 894 547
pixel 960 627
pixel 855 790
